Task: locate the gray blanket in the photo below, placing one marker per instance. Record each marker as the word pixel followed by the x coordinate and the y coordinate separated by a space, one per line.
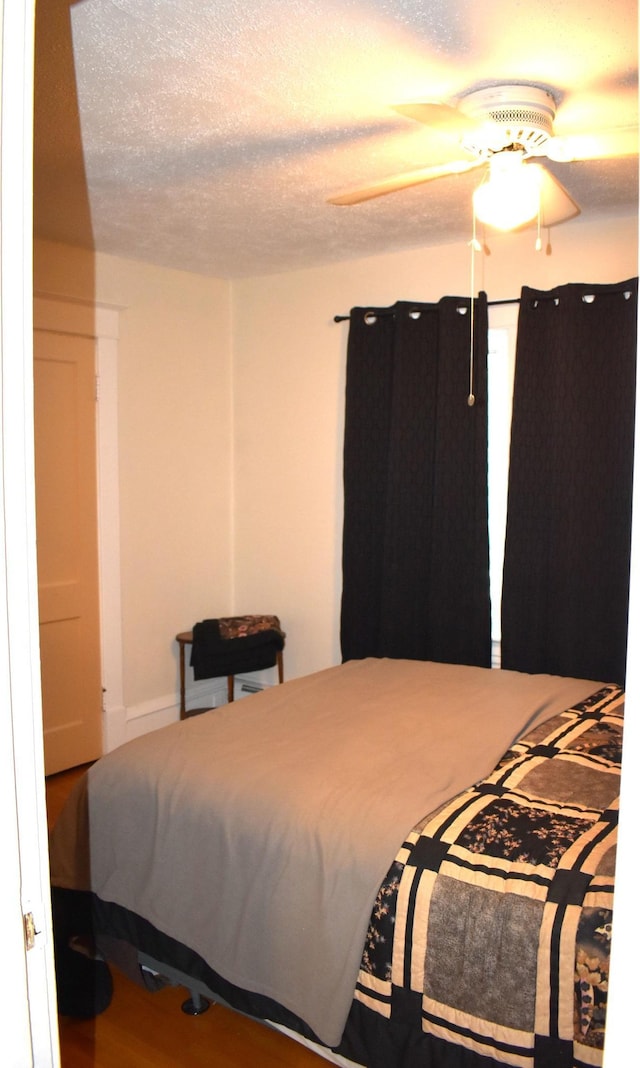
pixel 258 834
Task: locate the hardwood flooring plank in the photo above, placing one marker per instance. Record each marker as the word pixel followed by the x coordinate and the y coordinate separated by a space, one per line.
pixel 141 1029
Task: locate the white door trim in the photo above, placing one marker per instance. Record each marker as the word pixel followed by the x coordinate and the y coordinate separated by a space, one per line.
pixel 27 982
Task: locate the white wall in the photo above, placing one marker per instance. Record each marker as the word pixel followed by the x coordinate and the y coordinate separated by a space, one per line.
pixel 231 402
pixel 288 366
pixel 174 443
pixel 175 462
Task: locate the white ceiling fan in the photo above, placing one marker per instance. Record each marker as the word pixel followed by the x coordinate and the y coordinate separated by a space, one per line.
pixel 504 128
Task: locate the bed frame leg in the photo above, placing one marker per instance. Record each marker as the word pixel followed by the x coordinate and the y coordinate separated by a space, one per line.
pixel 195 1005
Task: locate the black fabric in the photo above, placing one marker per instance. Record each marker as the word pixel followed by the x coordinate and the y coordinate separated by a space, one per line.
pixel 415 540
pixel 114 921
pixel 84 984
pixel 212 656
pixel 566 570
pixel 369 1039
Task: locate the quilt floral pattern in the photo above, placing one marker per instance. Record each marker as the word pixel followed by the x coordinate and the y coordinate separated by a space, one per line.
pixel 497 911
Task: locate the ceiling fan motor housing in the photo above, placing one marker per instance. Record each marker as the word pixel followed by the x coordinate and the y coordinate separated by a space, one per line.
pixel 509 116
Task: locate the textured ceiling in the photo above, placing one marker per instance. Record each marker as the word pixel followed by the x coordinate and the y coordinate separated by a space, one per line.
pixel 207 135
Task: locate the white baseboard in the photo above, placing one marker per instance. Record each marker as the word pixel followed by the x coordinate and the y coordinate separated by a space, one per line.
pixel 122 724
pixel 114 727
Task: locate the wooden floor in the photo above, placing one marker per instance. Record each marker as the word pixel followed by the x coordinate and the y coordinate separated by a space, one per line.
pixel 149 1030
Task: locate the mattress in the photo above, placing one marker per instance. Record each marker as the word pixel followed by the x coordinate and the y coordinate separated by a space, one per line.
pixel 260 836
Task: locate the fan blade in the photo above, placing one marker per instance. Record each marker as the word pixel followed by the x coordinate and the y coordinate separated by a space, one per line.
pixel 440 117
pixel 405 181
pixel 556 205
pixel 614 143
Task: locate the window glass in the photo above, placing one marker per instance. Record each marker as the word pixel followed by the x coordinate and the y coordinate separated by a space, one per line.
pixel 503 322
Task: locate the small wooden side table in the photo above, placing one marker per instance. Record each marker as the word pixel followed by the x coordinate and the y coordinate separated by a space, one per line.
pixel 186 638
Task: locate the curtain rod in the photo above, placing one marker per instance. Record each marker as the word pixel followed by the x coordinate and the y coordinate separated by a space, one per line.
pixel 490 304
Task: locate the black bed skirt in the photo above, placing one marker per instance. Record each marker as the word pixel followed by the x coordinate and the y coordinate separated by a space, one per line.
pixel 85 987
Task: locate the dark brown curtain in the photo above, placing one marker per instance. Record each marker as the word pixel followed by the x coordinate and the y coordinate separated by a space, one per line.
pixel 415 542
pixel 566 571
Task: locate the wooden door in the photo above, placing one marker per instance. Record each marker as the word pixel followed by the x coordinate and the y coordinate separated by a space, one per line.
pixel 67 538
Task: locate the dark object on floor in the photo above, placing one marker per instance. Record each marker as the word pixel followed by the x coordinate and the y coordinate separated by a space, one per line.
pixel 83 981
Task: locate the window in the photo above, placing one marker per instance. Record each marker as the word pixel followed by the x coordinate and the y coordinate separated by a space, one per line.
pixel 503 324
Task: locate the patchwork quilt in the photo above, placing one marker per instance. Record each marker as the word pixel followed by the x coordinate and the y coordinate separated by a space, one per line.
pixel 496 913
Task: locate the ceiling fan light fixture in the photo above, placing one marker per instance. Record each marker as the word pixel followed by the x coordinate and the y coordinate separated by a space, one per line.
pixel 510 197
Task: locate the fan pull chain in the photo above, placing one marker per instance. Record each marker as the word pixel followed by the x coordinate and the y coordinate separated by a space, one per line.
pixel 475 246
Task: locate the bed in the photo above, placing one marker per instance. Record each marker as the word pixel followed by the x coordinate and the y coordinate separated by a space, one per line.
pixel 399 863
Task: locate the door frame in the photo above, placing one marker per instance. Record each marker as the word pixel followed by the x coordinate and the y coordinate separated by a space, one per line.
pixel 101 323
pixel 30 1035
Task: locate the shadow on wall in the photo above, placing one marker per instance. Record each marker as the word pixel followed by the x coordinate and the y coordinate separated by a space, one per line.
pixel 60 198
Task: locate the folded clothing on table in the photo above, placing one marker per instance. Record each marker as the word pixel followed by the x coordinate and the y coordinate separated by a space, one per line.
pixel 233 644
